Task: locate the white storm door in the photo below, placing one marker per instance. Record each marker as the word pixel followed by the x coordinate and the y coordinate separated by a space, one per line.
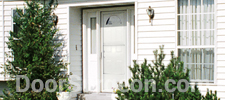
pixel 114 49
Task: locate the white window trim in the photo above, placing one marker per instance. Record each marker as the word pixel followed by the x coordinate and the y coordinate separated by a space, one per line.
pixel 202 82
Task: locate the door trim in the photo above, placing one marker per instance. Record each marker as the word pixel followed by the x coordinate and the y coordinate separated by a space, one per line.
pixel 130 45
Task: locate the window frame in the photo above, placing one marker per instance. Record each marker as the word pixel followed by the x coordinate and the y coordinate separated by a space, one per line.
pixel 177 47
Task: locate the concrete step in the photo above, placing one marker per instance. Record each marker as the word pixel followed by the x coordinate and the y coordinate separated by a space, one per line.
pixel 97 96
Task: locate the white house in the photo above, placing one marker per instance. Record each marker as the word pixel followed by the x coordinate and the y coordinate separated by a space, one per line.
pixel 101 38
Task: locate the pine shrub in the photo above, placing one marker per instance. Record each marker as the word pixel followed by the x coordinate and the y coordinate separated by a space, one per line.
pixel 33 49
pixel 155 90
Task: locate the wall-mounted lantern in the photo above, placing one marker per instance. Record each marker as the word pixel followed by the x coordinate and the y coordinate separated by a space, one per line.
pixel 151 14
pixel 54 19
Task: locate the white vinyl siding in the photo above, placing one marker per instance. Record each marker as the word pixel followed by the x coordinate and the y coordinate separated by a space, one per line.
pixel 220 55
pixel 8 23
pixel 1 43
pixel 149 38
pixel 75 48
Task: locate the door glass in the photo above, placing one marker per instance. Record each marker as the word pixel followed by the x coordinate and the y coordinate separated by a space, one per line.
pixel 114 48
pixel 93 35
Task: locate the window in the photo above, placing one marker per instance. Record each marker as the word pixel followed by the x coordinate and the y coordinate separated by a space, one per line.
pixel 16 14
pixel 15 26
pixel 196 37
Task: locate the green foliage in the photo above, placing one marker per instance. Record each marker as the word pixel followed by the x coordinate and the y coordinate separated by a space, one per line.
pixel 160 73
pixel 33 49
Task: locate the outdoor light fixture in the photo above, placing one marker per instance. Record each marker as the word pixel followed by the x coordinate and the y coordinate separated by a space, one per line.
pixel 151 14
pixel 55 19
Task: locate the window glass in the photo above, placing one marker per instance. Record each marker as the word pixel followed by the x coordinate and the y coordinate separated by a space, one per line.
pixel 93 35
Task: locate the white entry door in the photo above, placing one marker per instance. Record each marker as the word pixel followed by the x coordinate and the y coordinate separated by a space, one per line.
pixel 108 44
pixel 114 48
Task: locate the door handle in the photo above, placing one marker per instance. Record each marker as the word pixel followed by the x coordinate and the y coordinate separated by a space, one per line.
pixel 102 56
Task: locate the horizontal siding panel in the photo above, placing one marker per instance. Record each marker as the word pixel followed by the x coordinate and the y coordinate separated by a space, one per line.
pixel 156 34
pixel 220 82
pixel 149 61
pixel 157 10
pixel 220 6
pixel 221 25
pixel 220 38
pixel 64 16
pixel 75 52
pixel 13 3
pixel 77 68
pixel 150 51
pixel 157 22
pixel 9 8
pixel 220 51
pixel 220 1
pixel 8 23
pixel 221 70
pixel 77 73
pixel 73 65
pixel 221 57
pixel 60 10
pixel 156 40
pixel 61 53
pixel 220 63
pixel 8 29
pixel 221 75
pixel 62 31
pixel 8 12
pixel 213 88
pixel 62 27
pixel 147 46
pixel 151 57
pixel 157 4
pixel 75 58
pixel 157 28
pixel 221 32
pixel 221 13
pixel 158 16
pixel 77 33
pixel 62 21
pixel 221 44
pixel 8 18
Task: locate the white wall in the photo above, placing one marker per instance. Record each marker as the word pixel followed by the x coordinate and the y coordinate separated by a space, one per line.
pixel 220 59
pixel 1 42
pixel 8 6
pixel 161 33
pixel 75 49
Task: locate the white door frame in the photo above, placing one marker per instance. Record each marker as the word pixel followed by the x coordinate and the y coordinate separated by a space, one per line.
pixel 86 30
